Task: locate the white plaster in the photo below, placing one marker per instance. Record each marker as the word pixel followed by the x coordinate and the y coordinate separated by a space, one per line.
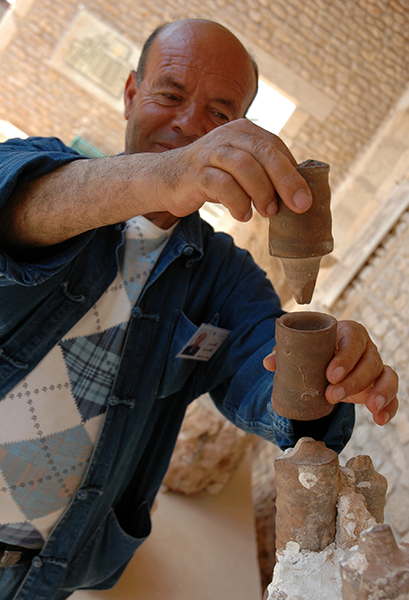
pixel 307 575
pixel 357 562
pixel 364 484
pixel 307 479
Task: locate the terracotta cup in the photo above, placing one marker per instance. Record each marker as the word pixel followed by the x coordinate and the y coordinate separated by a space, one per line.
pixel 301 240
pixel 306 343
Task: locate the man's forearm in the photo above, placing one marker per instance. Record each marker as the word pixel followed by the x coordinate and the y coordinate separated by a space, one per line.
pixel 80 196
pixel 238 165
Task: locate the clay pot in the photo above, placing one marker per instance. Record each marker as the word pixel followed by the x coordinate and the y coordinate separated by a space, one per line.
pixel 306 343
pixel 307 491
pixel 377 568
pixel 301 240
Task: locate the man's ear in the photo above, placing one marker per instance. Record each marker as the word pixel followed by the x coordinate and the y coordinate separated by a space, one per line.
pixel 131 87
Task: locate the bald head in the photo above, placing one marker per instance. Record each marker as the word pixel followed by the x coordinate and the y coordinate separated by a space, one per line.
pixel 202 31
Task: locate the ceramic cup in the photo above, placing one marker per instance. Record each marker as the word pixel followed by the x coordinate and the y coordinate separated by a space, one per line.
pixel 306 344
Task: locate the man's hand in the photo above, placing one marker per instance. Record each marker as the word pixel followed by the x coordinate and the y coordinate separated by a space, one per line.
pixel 357 373
pixel 238 165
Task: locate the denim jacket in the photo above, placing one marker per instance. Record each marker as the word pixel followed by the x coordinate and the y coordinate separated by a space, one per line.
pixel 201 277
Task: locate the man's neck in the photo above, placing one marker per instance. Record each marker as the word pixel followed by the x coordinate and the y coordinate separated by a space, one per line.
pixel 164 220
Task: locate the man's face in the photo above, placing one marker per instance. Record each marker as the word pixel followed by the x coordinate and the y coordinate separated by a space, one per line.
pixel 198 76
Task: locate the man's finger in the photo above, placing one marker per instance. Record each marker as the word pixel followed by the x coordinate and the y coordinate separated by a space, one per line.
pixel 273 156
pixel 288 183
pixel 270 361
pixel 384 416
pixel 382 397
pixel 230 164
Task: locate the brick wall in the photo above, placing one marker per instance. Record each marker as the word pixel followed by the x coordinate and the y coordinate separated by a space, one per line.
pixel 370 284
pixel 379 298
pixel 352 51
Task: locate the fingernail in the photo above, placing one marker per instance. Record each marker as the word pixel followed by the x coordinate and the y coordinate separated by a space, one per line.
pixel 337 374
pixel 271 208
pixel 302 199
pixel 380 402
pixel 386 418
pixel 338 394
pixel 248 215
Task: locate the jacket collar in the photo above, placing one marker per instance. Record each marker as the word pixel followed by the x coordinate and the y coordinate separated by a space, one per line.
pixel 188 236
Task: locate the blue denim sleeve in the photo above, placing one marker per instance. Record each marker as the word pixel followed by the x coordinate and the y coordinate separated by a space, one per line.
pixel 22 161
pixel 243 392
pixel 335 430
pixel 254 413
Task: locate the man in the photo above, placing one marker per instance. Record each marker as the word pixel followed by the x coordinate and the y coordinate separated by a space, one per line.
pixel 94 313
pixel 194 348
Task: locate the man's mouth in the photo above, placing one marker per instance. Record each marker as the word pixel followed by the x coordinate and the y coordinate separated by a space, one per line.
pixel 165 147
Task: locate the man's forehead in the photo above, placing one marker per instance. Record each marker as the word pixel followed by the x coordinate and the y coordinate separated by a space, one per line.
pixel 201 46
pixel 173 69
pixel 171 56
pixel 171 60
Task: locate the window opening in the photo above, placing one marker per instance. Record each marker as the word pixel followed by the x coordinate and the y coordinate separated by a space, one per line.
pixel 270 109
pixel 9 131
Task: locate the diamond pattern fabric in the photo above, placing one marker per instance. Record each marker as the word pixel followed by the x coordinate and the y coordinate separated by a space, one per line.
pixel 51 421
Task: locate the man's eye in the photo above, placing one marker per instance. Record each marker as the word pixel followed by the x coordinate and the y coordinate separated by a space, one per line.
pixel 221 116
pixel 171 97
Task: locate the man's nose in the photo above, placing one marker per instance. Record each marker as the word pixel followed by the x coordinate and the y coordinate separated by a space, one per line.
pixel 190 120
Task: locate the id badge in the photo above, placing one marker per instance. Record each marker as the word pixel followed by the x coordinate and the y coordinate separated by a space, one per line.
pixel 204 343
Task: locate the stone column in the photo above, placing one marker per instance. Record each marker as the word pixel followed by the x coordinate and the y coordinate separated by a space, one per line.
pixel 307 490
pixel 377 568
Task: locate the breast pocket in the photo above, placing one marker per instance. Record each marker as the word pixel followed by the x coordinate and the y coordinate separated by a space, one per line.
pixel 177 370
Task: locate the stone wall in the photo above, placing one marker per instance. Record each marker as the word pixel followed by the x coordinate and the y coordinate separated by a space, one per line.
pixel 379 298
pixel 343 62
pixel 370 284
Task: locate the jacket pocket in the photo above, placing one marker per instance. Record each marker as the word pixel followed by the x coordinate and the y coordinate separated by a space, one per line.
pixel 177 370
pixel 11 579
pixel 105 556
